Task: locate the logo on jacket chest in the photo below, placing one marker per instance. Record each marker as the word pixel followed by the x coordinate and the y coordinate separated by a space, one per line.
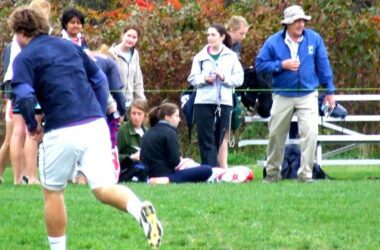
pixel 310 49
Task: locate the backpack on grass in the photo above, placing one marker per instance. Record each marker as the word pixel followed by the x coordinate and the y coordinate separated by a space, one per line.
pixel 291 164
pixel 131 170
pixel 292 161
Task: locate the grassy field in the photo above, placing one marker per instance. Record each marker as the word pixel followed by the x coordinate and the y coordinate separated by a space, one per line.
pixel 334 214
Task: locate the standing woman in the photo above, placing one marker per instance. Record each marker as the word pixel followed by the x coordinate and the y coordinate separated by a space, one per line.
pixel 127 57
pixel 72 22
pixel 5 147
pixel 237 28
pixel 6 88
pixel 23 149
pixel 160 150
pixel 216 70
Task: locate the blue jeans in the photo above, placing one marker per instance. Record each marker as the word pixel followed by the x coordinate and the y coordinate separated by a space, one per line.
pixel 197 174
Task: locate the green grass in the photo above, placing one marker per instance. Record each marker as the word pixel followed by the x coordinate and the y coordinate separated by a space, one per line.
pixel 339 214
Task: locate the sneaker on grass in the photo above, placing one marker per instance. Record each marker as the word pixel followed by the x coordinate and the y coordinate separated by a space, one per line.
pixel 306 180
pixel 271 179
pixel 151 225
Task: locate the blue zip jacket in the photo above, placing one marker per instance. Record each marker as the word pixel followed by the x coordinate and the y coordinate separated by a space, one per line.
pixel 315 69
pixel 67 83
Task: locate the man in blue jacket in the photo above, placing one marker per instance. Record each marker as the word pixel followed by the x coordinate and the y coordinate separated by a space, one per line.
pixel 298 61
pixel 72 92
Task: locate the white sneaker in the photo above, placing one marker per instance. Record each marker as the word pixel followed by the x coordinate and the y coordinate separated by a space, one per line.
pixel 152 226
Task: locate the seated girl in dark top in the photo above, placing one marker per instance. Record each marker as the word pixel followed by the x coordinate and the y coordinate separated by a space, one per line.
pixel 160 150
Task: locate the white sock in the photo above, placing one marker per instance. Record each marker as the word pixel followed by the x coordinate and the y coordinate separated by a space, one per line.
pixel 134 206
pixel 57 243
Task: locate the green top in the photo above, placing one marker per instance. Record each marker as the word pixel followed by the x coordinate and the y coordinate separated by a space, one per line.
pixel 128 141
pixel 215 57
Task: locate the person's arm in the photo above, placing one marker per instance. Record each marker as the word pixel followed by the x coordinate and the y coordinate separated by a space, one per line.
pixel 100 86
pixel 323 68
pixel 120 101
pixel 25 99
pixel 122 142
pixel 235 77
pixel 23 93
pixel 116 87
pixel 126 143
pixel 196 77
pixel 324 72
pixel 98 81
pixel 174 155
pixel 111 105
pixel 138 84
pixel 265 63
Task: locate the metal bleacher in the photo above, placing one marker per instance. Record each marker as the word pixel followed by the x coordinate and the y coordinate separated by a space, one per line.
pixel 344 137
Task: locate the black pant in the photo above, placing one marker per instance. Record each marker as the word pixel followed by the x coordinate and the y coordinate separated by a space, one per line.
pixel 211 129
pixel 197 174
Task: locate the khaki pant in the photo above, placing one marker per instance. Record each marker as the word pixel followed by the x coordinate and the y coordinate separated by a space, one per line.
pixel 306 110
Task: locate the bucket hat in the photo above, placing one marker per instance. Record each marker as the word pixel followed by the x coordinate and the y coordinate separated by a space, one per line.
pixel 293 13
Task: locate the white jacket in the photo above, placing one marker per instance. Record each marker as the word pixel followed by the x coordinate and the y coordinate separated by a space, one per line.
pixel 130 73
pixel 203 64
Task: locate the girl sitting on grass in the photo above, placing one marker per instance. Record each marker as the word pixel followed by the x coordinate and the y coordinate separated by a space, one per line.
pixel 160 150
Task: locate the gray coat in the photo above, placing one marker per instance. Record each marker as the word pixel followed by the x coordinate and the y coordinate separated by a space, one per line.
pixel 203 65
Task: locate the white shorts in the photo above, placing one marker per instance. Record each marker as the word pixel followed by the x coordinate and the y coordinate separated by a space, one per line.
pixel 86 146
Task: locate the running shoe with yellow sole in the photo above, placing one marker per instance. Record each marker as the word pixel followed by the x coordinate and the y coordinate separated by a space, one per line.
pixel 152 226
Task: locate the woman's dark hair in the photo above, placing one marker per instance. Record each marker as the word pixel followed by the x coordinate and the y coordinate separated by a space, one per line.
pixel 70 14
pixel 132 27
pixel 159 112
pixel 223 31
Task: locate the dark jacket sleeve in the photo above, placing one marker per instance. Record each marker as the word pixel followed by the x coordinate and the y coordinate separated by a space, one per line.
pixel 116 86
pixel 173 149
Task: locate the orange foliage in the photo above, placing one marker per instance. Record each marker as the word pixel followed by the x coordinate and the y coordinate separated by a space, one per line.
pixel 149 5
pixel 377 20
pixel 145 4
pixel 176 4
pixel 211 7
pixel 116 14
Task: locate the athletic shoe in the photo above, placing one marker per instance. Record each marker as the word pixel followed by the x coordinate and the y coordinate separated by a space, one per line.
pixel 306 180
pixel 271 179
pixel 151 225
pixel 1 180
